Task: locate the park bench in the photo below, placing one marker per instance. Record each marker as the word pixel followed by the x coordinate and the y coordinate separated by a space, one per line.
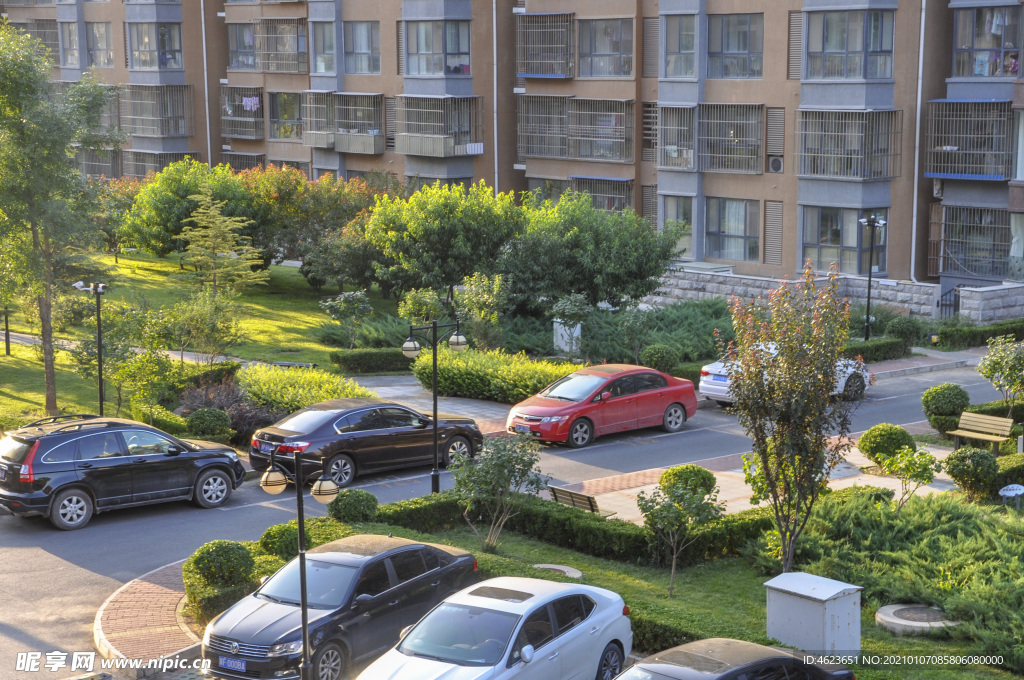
pixel 577 500
pixel 986 428
pixel 293 364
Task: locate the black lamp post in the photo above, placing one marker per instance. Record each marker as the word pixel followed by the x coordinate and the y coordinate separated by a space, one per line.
pixel 97 289
pixel 871 221
pixel 273 481
pixel 7 332
pixel 411 349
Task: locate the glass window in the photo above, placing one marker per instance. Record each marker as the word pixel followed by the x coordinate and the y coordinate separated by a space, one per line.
pixel 836 235
pixel 537 631
pixel 449 633
pixel 106 445
pixel 155 46
pixel 621 387
pixel 323 47
pixel 65 453
pixel 399 417
pixel 987 42
pixel 680 46
pixel 242 47
pixel 650 381
pixel 99 44
pixel 849 45
pixel 408 565
pixel 735 45
pixel 285 115
pixel 359 422
pixel 733 228
pixel 606 48
pixel 437 48
pixel 146 443
pixel 574 387
pixel 69 44
pixel 680 208
pixel 362 47
pixel 14 450
pixel 305 420
pixel 374 581
pixel 326 583
pixel 569 612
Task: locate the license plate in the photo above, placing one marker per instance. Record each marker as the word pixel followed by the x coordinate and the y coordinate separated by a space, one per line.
pixel 719 378
pixel 266 448
pixel 232 664
pixel 3 474
pixel 522 428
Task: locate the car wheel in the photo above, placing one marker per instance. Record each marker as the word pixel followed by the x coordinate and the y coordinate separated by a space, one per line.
pixel 675 416
pixel 72 509
pixel 723 404
pixel 213 488
pixel 341 470
pixel 611 662
pixel 580 433
pixel 456 446
pixel 328 662
pixel 854 388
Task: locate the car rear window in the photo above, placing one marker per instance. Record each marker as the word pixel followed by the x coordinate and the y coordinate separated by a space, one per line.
pixel 13 449
pixel 306 421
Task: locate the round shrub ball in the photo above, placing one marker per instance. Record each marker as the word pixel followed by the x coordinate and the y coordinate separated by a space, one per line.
pixel 660 357
pixel 690 476
pixel 353 505
pixel 947 399
pixel 883 440
pixel 281 540
pixel 973 470
pixel 223 563
pixel 906 329
pixel 208 422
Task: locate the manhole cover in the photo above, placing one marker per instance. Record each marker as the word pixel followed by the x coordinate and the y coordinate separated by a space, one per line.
pixel 919 614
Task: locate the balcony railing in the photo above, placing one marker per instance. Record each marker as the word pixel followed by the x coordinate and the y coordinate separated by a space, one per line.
pixel 440 127
pixel 969 140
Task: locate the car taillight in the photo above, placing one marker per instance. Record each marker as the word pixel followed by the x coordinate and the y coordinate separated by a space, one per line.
pixel 27 474
pixel 293 447
pixel 255 443
pixel 474 565
pixel 625 610
pixel 704 372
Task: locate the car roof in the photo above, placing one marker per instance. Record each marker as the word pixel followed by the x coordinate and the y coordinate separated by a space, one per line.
pixel 348 403
pixel 354 549
pixel 70 424
pixel 609 370
pixel 519 595
pixel 713 655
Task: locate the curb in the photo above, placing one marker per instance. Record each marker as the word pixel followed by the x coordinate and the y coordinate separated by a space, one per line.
pixel 898 372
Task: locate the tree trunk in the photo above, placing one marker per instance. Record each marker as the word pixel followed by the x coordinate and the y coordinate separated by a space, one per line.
pixel 41 245
pixel 672 575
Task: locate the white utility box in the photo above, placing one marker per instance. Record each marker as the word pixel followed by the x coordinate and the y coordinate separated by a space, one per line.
pixel 813 613
pixel 566 336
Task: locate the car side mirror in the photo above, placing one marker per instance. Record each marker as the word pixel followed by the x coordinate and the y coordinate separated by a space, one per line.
pixel 264 578
pixel 361 600
pixel 405 631
pixel 526 653
pixel 174 450
pixel 605 396
pixel 423 422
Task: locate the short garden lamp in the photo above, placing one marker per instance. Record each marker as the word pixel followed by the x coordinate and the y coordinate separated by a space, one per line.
pixel 411 348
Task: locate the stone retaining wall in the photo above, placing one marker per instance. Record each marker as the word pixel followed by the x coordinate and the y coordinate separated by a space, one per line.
pixel 993 303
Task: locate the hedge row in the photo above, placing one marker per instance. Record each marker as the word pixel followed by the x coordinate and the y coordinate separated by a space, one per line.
pixel 289 389
pixel 959 337
pixel 163 419
pixel 998 408
pixel 377 360
pixel 879 349
pixel 493 375
pixel 690 370
pixel 1011 471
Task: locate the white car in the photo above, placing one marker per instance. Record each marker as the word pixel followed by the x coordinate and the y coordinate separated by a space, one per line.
pixel 522 628
pixel 714 381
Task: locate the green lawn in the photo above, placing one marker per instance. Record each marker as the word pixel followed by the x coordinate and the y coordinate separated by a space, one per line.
pixel 21 388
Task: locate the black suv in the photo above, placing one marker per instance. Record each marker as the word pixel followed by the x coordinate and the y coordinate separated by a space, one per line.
pixel 68 467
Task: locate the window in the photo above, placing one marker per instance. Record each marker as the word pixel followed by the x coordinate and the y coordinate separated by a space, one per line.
pixel 849 45
pixel 680 46
pixel 544 45
pixel 437 48
pixel 849 144
pixel 969 140
pixel 606 48
pixel 158 110
pixel 362 47
pixel 600 129
pixel 105 445
pixel 547 189
pixel 649 381
pixel 65 453
pixel 99 44
pixel 836 235
pixel 69 44
pixel 732 229
pixel 408 565
pixel 241 115
pixel 622 387
pixel 735 45
pixel 285 115
pixel 974 241
pixel 987 42
pixel 569 612
pixel 730 138
pixel 608 194
pixel 146 443
pixel 155 46
pixel 439 126
pixel 676 129
pixel 374 581
pixel 542 127
pixel 680 209
pixel 359 422
pixel 399 417
pixel 281 46
pixel 323 46
pixel 242 47
pixel 141 163
pixel 536 631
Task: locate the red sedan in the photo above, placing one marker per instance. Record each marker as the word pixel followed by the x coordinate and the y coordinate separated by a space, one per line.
pixel 603 399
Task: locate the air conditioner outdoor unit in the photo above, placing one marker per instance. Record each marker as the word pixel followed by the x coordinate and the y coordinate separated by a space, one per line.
pixel 937 188
pixel 775 164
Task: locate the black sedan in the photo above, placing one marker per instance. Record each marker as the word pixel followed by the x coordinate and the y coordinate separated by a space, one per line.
pixel 362 591
pixel 725 659
pixel 348 437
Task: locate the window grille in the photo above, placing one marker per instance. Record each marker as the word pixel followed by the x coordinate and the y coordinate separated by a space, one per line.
pixel 141 163
pixel 608 194
pixel 969 240
pixel 98 162
pixel 400 44
pixel 773 232
pixel 45 31
pixel 543 125
pixel 27 3
pixel 390 124
pixel 849 144
pixel 649 203
pixel 730 138
pixel 652 32
pixel 676 129
pixel 241 112
pixel 650 132
pixel 775 139
pixel 969 140
pixel 439 126
pixel 281 46
pixel 243 161
pixel 544 45
pixel 795 64
pixel 158 110
pixel 318 119
pixel 600 129
pixel 359 126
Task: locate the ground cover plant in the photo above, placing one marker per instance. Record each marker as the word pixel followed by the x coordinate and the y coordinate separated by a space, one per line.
pixel 21 388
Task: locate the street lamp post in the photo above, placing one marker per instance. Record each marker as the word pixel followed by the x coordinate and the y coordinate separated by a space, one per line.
pixel 96 289
pixel 411 349
pixel 871 221
pixel 273 481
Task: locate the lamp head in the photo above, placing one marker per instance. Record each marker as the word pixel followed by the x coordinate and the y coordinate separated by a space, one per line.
pixel 411 348
pixel 273 481
pixel 325 490
pixel 458 342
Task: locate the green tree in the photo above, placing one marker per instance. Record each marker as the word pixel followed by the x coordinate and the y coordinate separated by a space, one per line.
pixel 1003 366
pixel 914 468
pixel 346 255
pixel 349 310
pixel 207 323
pixel 420 306
pixel 149 375
pixel 488 485
pixel 218 254
pixel 125 328
pixel 41 191
pixel 115 198
pixel 634 324
pixel 479 304
pixel 12 276
pixel 782 366
pixel 674 510
pixel 274 199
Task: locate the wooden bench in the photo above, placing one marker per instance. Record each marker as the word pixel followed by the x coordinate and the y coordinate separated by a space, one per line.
pixel 986 428
pixel 577 500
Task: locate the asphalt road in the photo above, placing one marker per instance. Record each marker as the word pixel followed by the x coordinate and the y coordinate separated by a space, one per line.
pixel 53 581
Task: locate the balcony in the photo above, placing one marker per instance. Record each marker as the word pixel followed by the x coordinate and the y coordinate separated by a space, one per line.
pixel 281 46
pixel 545 46
pixel 359 123
pixel 318 119
pixel 241 113
pixel 969 140
pixel 157 110
pixel 439 127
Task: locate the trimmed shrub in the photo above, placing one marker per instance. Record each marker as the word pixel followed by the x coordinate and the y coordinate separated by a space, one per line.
pixel 282 540
pixel 163 419
pixel 211 375
pixel 660 357
pixel 883 440
pixel 377 360
pixel 289 389
pixel 947 399
pixel 320 530
pixel 906 329
pixel 959 337
pixel 998 408
pixel 877 349
pixel 1010 470
pixel 266 565
pixel 353 505
pixel 433 513
pixel 247 417
pixel 209 423
pixel 691 476
pixel 222 563
pixel 690 371
pixel 973 470
pixel 493 375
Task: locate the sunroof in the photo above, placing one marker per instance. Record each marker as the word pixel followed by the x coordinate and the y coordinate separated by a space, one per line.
pixel 502 594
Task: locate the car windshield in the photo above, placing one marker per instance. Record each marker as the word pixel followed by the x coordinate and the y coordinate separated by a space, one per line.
pixel 575 387
pixel 306 421
pixel 462 635
pixel 327 584
pixel 13 450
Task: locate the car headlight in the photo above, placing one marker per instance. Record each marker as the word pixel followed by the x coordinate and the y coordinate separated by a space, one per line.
pixel 206 635
pixel 232 455
pixel 285 648
pixel 552 419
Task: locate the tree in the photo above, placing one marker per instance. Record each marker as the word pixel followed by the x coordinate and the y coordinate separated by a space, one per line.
pixel 274 201
pixel 115 199
pixel 217 253
pixel 783 371
pixel 207 323
pixel 12 274
pixel 633 324
pixel 149 375
pixel 479 304
pixel 488 484
pixel 349 310
pixel 420 306
pixel 682 503
pixel 346 255
pixel 1003 366
pixel 914 468
pixel 41 190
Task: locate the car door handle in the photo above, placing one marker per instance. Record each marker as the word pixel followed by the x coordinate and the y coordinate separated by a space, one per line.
pixel 553 656
pixel 138 460
pixel 85 465
pixel 593 631
pixel 392 604
pixel 435 584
